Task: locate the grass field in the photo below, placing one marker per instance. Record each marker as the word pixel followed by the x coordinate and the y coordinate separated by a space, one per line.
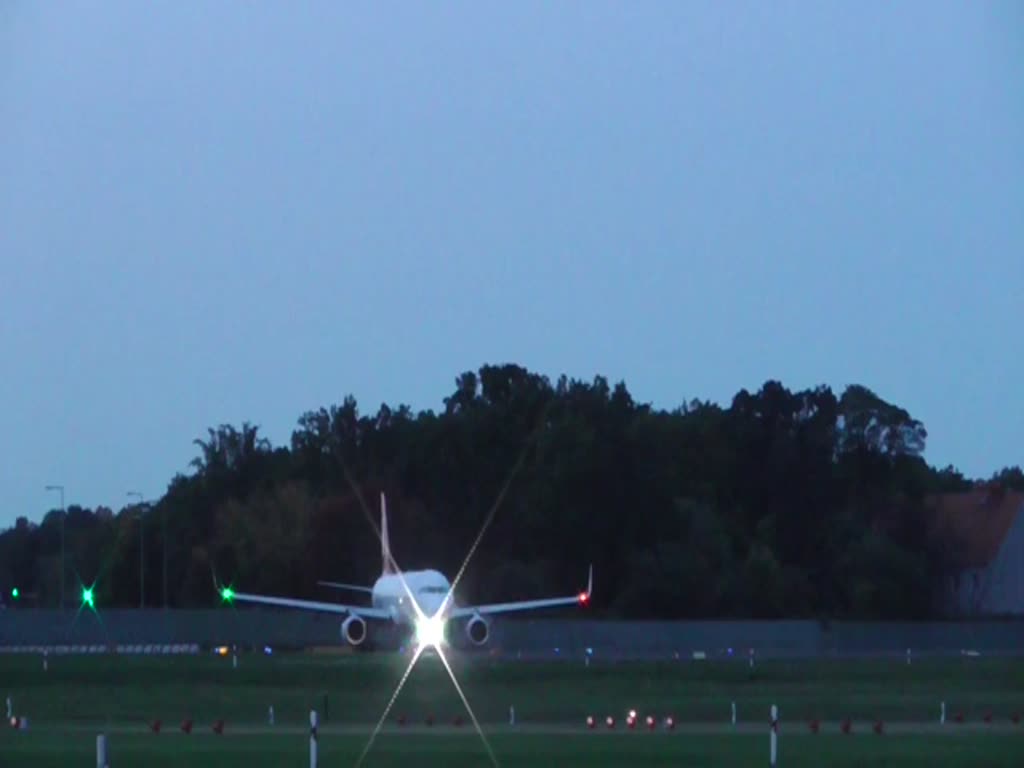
pixel 577 751
pixel 121 695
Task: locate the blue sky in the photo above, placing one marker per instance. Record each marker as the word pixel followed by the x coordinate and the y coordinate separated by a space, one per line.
pixel 212 212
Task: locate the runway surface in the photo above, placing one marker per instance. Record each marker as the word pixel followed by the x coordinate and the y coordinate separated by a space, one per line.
pixel 562 729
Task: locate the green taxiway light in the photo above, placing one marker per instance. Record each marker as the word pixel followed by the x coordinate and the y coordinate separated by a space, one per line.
pixel 87 596
pixel 227 594
pixel 15 593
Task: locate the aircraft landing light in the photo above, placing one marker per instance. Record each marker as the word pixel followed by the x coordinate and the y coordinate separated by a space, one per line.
pixel 430 631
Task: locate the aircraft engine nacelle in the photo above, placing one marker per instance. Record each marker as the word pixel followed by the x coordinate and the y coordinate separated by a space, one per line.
pixel 353 630
pixel 477 630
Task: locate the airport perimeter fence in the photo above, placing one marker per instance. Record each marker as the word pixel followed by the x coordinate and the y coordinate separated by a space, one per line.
pixel 133 631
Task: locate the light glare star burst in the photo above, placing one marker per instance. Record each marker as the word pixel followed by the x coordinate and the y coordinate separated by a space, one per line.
pixel 429 634
pixel 430 630
pixel 391 703
pixel 465 702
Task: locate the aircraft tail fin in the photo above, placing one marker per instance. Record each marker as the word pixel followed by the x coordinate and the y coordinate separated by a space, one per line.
pixel 385 545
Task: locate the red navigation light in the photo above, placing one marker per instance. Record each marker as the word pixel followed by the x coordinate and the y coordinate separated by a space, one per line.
pixel 584 598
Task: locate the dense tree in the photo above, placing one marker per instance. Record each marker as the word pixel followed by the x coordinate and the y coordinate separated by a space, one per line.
pixel 1010 477
pixel 784 503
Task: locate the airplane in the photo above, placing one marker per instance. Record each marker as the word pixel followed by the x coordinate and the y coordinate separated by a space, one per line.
pixel 390 601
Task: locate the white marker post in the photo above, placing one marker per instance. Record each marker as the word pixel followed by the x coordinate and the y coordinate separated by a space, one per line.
pixel 101 751
pixel 270 715
pixel 511 715
pixel 774 744
pixel 10 708
pixel 908 657
pixel 751 658
pixel 312 738
pixel 734 713
pixel 234 660
pixel 942 714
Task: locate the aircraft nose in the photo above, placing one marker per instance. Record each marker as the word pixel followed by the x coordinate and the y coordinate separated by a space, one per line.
pixel 431 605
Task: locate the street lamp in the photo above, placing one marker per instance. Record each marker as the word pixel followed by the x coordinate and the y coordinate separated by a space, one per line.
pixel 62 515
pixel 142 560
pixel 163 534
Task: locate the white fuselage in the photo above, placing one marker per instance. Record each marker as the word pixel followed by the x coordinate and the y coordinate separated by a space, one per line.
pixel 429 588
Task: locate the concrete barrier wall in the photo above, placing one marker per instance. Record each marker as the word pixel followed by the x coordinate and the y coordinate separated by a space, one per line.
pixel 208 628
pixel 664 639
pixel 1005 637
pixel 254 627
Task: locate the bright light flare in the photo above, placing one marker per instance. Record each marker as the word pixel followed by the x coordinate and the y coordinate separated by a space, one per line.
pixel 430 631
pixel 87 601
pixel 469 709
pixel 391 703
pixel 227 594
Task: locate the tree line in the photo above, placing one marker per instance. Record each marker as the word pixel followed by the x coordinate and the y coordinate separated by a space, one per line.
pixel 783 504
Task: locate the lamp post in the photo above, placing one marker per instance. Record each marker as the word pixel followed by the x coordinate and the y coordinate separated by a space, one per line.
pixel 163 527
pixel 62 516
pixel 142 557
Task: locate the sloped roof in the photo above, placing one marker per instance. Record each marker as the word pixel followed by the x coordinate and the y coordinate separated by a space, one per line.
pixel 981 518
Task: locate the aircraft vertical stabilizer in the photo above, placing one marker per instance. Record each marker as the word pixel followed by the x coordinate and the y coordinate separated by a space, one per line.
pixel 385 546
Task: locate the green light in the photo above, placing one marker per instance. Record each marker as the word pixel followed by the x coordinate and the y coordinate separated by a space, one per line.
pixel 227 594
pixel 15 593
pixel 87 596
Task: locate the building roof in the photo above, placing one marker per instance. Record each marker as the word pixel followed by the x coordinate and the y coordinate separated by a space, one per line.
pixel 980 518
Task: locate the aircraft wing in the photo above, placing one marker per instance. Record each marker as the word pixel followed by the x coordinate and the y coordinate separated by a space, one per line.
pixel 353 587
pixel 581 598
pixel 363 611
